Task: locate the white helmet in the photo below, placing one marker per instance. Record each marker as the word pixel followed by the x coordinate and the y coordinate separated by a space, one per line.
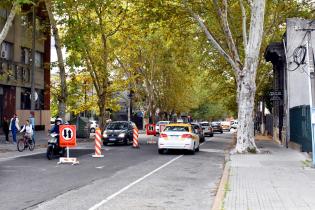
pixel 58 119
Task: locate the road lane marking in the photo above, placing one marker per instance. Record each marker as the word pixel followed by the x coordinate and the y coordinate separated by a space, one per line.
pixel 132 184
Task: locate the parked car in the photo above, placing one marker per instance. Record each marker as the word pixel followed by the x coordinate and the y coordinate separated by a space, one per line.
pixel 216 126
pixel 157 126
pixel 234 124
pixel 207 129
pixel 93 126
pixel 199 130
pixel 226 126
pixel 118 132
pixel 178 136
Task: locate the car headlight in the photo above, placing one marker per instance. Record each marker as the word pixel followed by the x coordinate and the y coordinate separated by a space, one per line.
pixel 122 135
pixel 105 135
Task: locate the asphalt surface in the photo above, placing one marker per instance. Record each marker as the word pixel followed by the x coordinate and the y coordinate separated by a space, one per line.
pixel 125 178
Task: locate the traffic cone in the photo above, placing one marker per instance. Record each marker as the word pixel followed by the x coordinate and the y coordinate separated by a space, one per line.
pixel 98 148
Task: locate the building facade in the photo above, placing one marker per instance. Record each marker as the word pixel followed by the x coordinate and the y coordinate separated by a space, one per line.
pixel 293 93
pixel 16 65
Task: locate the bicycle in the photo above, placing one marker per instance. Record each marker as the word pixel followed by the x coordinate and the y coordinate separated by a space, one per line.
pixel 25 142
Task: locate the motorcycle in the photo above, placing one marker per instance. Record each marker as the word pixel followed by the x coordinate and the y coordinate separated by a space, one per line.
pixel 53 148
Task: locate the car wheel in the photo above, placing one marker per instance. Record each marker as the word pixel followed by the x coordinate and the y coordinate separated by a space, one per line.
pixel 105 143
pixel 161 151
pixel 92 130
pixel 221 131
pixel 211 135
pixel 197 149
pixel 192 152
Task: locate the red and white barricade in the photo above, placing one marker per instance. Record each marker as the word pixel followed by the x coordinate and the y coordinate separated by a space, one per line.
pixel 98 147
pixel 135 138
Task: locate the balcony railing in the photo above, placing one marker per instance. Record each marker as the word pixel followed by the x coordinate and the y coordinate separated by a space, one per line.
pixel 15 71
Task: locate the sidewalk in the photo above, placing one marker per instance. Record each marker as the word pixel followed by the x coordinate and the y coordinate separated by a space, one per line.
pixel 41 139
pixel 278 178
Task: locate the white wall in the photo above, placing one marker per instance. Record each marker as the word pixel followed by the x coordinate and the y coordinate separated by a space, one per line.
pixel 298 80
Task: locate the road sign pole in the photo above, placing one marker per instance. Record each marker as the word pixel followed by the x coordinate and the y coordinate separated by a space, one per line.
pixel 67 152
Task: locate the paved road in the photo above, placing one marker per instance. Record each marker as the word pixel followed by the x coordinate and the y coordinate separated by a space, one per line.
pixel 125 178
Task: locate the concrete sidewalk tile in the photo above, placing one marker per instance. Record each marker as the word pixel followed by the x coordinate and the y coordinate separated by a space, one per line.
pixel 274 180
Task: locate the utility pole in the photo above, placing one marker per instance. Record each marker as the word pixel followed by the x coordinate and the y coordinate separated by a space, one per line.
pixel 33 62
pixel 312 109
pixel 310 72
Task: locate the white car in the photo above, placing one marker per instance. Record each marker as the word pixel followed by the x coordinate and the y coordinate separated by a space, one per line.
pixel 93 126
pixel 234 124
pixel 207 129
pixel 157 126
pixel 178 136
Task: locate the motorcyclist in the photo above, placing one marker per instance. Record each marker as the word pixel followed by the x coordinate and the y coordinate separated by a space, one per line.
pixel 55 128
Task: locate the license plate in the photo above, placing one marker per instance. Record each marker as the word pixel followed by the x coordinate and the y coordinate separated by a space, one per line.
pixel 112 139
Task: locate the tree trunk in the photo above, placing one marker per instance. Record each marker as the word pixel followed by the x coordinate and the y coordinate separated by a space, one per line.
pixel 62 99
pixel 153 116
pixel 102 107
pixel 246 103
pixel 246 81
pixel 8 23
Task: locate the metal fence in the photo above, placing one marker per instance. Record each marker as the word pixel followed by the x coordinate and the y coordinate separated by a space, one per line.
pixel 300 127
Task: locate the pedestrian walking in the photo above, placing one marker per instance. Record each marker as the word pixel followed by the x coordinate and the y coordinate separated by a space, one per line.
pixel 5 127
pixel 14 127
pixel 32 123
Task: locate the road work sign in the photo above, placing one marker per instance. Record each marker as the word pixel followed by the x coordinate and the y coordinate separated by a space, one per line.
pixel 67 134
pixel 150 129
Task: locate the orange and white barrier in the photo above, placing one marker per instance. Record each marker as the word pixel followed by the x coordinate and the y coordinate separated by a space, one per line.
pixel 135 138
pixel 98 148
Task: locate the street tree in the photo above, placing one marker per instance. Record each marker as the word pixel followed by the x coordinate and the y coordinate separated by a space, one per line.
pixel 246 70
pixel 16 6
pixel 161 52
pixel 90 30
pixel 62 93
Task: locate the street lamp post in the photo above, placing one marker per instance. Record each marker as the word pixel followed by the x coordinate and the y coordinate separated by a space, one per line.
pixel 33 62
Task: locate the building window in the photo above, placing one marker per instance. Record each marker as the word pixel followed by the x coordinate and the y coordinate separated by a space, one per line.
pixel 26 56
pixel 4 14
pixel 6 51
pixel 39 59
pixel 26 99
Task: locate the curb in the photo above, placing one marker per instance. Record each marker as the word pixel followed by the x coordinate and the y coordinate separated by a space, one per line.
pixel 219 197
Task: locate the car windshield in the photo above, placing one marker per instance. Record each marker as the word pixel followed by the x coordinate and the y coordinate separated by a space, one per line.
pixel 117 126
pixel 177 128
pixel 215 123
pixel 204 124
